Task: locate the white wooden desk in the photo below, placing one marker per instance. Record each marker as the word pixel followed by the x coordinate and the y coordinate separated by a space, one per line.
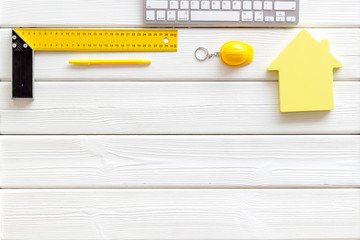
pixel 179 150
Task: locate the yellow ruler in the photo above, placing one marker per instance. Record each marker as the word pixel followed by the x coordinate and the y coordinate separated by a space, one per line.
pixel 26 41
pixel 124 40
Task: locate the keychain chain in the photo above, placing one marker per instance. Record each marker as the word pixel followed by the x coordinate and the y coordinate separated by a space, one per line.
pixel 203 51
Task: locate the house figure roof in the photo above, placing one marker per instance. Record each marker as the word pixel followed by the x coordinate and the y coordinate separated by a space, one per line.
pixel 305 75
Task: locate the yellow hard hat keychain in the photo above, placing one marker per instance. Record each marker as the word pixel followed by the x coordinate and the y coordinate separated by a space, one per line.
pixel 233 54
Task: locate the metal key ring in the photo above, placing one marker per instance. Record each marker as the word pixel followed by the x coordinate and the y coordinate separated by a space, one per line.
pixel 201 50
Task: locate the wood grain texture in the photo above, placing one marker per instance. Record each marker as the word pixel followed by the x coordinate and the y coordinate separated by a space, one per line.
pixel 171 108
pixel 179 161
pixel 180 214
pixel 182 66
pixel 115 13
pixel 193 162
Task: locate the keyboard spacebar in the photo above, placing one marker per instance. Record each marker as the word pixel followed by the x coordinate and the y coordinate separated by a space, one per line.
pixel 225 16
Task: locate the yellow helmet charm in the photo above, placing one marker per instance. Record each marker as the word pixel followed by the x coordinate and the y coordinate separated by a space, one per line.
pixel 236 54
pixel 233 54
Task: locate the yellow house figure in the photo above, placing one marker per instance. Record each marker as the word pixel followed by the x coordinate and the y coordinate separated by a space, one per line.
pixel 306 75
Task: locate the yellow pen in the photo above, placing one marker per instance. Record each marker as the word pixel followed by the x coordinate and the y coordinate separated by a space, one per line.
pixel 107 62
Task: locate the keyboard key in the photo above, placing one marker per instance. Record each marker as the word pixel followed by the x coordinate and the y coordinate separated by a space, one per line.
pixel 184 5
pixel 150 15
pixel 215 5
pixel 183 15
pixel 171 15
pixel 226 5
pixel 280 19
pixel 155 4
pixel 247 16
pixel 228 16
pixel 291 19
pixel 174 4
pixel 236 5
pixel 285 5
pixel 259 16
pixel 247 5
pixel 280 14
pixel 269 19
pixel 195 5
pixel 268 5
pixel 257 5
pixel 160 15
pixel 205 4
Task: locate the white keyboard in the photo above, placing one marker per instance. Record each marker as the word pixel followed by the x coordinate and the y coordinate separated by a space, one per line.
pixel 220 13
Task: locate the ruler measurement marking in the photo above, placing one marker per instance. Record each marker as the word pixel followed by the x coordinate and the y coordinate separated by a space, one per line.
pixel 93 40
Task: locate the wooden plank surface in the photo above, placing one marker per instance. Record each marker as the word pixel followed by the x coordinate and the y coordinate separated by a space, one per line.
pixel 182 66
pixel 115 13
pixel 71 104
pixel 171 108
pixel 179 161
pixel 181 214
